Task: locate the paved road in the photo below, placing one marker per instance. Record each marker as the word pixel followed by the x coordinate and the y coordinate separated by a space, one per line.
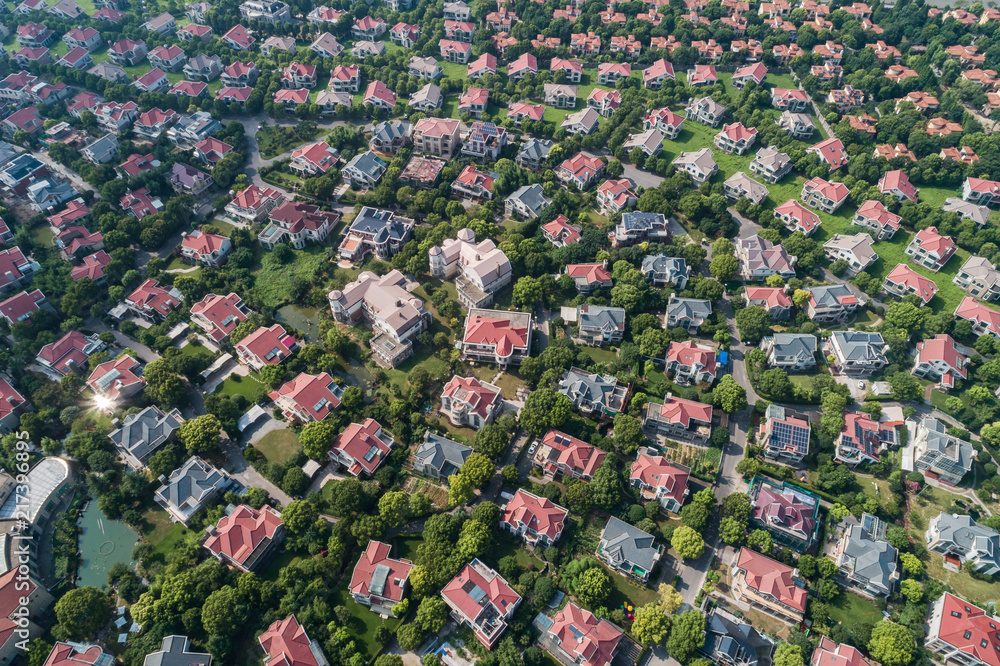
pixel 65 173
pixel 542 327
pixel 640 177
pixel 241 470
pixel 144 353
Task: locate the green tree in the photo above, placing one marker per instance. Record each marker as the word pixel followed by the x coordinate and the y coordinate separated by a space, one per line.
pixel 317 438
pixel 474 540
pixel 753 323
pixel 492 440
pixel 478 469
pixel 394 508
pixel 432 614
pixel 723 267
pixel 729 395
pixel 651 624
pixel 670 599
pixel 81 613
pixel 687 634
pixel 593 587
pixel 527 292
pixel 687 543
pixel 911 564
pixel 460 490
pixel 224 612
pixel 912 590
pixel 200 435
pixel 544 409
pixel 628 433
pixel 787 654
pixel 695 515
pixel 299 517
pixel 760 541
pixel 891 644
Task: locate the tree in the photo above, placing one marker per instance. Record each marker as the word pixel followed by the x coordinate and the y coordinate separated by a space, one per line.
pixel 912 590
pixel 605 488
pixel 753 323
pixel 732 531
pixel 911 564
pixel 478 469
pixel 891 644
pixel 723 267
pixel 695 515
pixel 760 541
pixel 776 384
pixel 317 438
pixel 527 292
pixel 394 508
pixel 687 634
pixel 687 543
pixel 81 613
pixel 492 440
pixel 410 636
pixel 628 433
pixel 800 297
pixel 224 611
pixel 543 410
pixel 200 435
pixel 460 490
pixel 729 395
pixel 906 317
pixel 651 624
pixel 788 655
pixel 670 599
pixel 299 517
pixel 593 587
pixel 432 614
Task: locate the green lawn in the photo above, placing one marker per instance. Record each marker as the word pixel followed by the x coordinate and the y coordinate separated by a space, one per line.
pixel 197 350
pixel 601 355
pixel 423 356
pixel 627 591
pixel 245 386
pixel 275 283
pixel 849 609
pixel 364 622
pixel 275 140
pixel 406 546
pixel 277 563
pixel 278 445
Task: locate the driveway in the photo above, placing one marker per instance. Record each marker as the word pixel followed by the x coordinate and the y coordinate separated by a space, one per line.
pixel 144 353
pixel 240 469
pixel 542 328
pixel 640 177
pixel 64 173
pixel 747 226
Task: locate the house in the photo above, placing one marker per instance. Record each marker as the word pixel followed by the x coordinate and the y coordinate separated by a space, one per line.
pixel 523 66
pixel 76 241
pixel 187 179
pixel 381 232
pixel 770 164
pixel 482 599
pixel 48 193
pixel 560 232
pixel 689 313
pixel 903 280
pixel 193 31
pixel 582 122
pixel 457 11
pixel 702 76
pixel 962 540
pixel 599 325
pixel 958 630
pixel 558 454
pixel 705 110
pixel 455 51
pixel 297 75
pixel 193 89
pixel 267 11
pixel 606 102
pixel 586 43
pixel 362 447
pixel 930 249
pixel 167 58
pixel 265 346
pixel 784 437
pixel 163 24
pixel 830 151
pixel 984 319
pixel 389 136
pixel 866 561
pixel 940 455
pixel 660 480
pixel 483 65
pixel 797 217
pixel 650 142
pixel 110 15
pixel 793 100
pixel 467 401
pixel 203 68
pixel 307 398
pixel 272 43
pixel 828 653
pixel 734 642
pixel 245 538
pixel 142 434
pixel 323 16
pixel 253 204
pixel 495 336
pixel 21 171
pixel 792 351
pixel 77 58
pixel 91 267
pixel 898 184
pixel 377 94
pixel 299 223
pixel 690 363
pixel 979 278
pixel 152 302
pixel 679 419
pixel 856 250
pixel 668 123
pixel 71 654
pixel 363 49
pixel 846 99
pixel 656 74
pixel 24 120
pixel 940 359
pixel 562 96
pixel 87 38
pixel 69 353
pixel 127 53
pixel 239 75
pixel 286 642
pixel 825 195
pixel 700 165
pixel 405 34
pixel 329 100
pixel 594 395
pixel 534 153
pixel 572 69
pixel 238 38
pixel 102 150
pixel 589 277
pixel 967 211
pixel 199 247
pixel 365 170
pixel 582 170
pixel 775 300
pixel 527 202
pixel 368 28
pixel 760 258
pixel 942 127
pixel 628 550
pixel 875 216
pixel 581 638
pixel 73 214
pixel 829 304
pixel 154 122
pixel 473 102
pixel 19 307
pixel 436 136
pixel 858 353
pixel 798 125
pixel 484 141
pixel 421 172
pixel 755 73
pixel 740 185
pixel 537 520
pixel 378 581
pixel 662 270
pixel 474 184
pixel 218 315
pixel 609 72
pixel 196 130
pixel 189 488
pixel 439 457
pixel 117 380
pixel 981 192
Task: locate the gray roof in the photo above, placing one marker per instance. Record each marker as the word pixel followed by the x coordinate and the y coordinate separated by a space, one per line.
pixel 689 308
pixel 859 244
pixel 945 446
pixel 531 196
pixel 202 61
pixel 368 163
pixel 382 224
pixel 430 94
pixel 388 131
pixel 175 651
pixel 874 559
pixel 601 317
pixel 794 344
pixel 578 385
pixel 732 642
pixel 968 211
pixel 104 148
pixel 661 263
pixel 441 453
pixel 536 150
pixel 829 295
pixel 624 542
pixel 969 535
pixel 860 346
pixel 191 484
pixel 634 220
pixel 143 433
pixel 108 71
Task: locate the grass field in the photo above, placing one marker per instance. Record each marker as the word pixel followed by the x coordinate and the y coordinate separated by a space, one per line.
pixel 363 622
pixel 849 609
pixel 275 283
pixel 278 445
pixel 245 386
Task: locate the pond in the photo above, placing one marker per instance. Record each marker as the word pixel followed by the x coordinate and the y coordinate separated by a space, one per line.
pixel 355 373
pixel 103 543
pixel 303 320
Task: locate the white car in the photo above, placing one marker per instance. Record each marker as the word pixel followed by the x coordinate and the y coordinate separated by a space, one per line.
pixel 531 449
pixel 861 385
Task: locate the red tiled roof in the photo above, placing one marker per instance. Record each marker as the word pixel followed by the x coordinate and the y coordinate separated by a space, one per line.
pixel 203 243
pixel 932 241
pixel 269 345
pixel 488 331
pixel 471 391
pixel 593 273
pixel 73 212
pixel 972 310
pixel 896 180
pixel 287 644
pixel 126 376
pixel 66 654
pixel 689 353
pixel 773 296
pixel 967 627
pixel 574 454
pixel 240 533
pixel 10 400
pixel 150 294
pixel 831 151
pixel 222 311
pixel 561 228
pixel 876 210
pixel 495 590
pixel 681 411
pixel 904 275
pixel 942 348
pixel 772 578
pixel 657 472
pixel 311 393
pixel 537 513
pixel 361 443
pixel 590 640
pixel 20 305
pixel 60 353
pixel 92 267
pixel 377 554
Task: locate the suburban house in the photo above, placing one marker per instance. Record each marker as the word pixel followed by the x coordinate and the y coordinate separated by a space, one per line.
pixel 903 280
pixel 286 641
pixel 660 270
pixel 362 447
pixel 940 455
pixel 759 259
pixel 791 351
pixel 833 303
pixel 770 164
pixel 245 538
pixel 560 232
pixel 690 363
pixel 589 277
pixel 856 250
pixel 69 353
pixel 378 581
pixel 863 439
pixel 308 398
pixel 594 395
pixel 742 186
pixel 252 205
pixel 141 435
pixel 897 183
pixel 265 346
pixel 957 631
pixel 732 641
pixel 439 457
pixel 628 550
pixel 775 300
pixel 700 165
pixel 599 324
pixel 537 520
pixel 961 540
pixel 705 110
pixel 152 302
pixel 581 638
pixel 470 402
pixel 930 249
pixel 527 202
pixel 436 136
pixel 679 419
pixel 783 436
pixel 636 227
pixel 874 215
pixel 979 278
pixel 825 195
pixel 559 454
pixel 689 313
pixel 497 336
pixel 189 488
pixel 940 359
pixel 660 480
pixel 479 597
pixel 199 247
pixel 866 561
pixel 480 270
pixel 768 586
pixel 858 353
pixel 984 320
pixel 116 381
pixel 788 512
pixel 375 231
